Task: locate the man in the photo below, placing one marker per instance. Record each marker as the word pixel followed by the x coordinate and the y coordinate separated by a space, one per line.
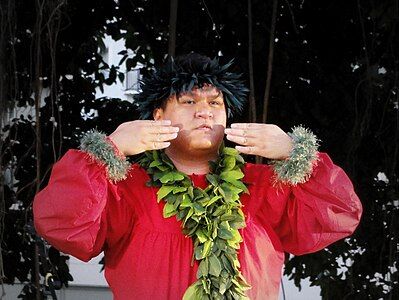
pixel 193 221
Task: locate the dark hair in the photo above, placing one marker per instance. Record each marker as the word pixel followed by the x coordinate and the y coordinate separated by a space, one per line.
pixel 190 63
pixel 182 74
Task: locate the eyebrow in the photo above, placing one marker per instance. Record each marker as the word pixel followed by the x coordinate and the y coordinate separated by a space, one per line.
pixel 191 94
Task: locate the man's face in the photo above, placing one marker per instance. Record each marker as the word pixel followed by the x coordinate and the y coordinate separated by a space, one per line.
pixel 201 117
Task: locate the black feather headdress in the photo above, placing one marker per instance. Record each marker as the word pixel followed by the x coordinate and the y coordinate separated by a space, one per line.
pixel 175 78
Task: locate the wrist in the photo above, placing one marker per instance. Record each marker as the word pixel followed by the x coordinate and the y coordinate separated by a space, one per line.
pixel 112 139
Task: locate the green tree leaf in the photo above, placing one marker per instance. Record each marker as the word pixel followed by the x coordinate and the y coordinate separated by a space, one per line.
pixel 168 210
pixel 215 267
pixel 163 191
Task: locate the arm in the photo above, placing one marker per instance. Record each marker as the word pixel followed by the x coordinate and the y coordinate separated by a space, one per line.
pixel 308 201
pixel 80 201
pixel 309 216
pixel 80 210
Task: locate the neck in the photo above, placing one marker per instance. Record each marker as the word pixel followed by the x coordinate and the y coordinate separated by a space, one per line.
pixel 193 164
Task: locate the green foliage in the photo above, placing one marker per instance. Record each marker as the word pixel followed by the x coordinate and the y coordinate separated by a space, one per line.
pixel 102 151
pixel 303 158
pixel 211 217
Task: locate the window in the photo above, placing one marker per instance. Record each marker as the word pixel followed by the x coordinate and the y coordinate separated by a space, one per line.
pixel 132 80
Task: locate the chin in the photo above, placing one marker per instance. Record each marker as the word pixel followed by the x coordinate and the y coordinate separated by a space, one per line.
pixel 205 145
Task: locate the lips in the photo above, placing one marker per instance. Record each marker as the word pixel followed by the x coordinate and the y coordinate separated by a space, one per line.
pixel 204 127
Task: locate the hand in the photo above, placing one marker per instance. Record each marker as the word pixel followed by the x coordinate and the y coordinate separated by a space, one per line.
pixel 265 140
pixel 138 136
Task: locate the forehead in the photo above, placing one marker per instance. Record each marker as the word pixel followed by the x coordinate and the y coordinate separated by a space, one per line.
pixel 208 91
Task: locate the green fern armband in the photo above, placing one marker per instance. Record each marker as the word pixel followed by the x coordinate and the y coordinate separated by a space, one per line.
pixel 101 149
pixel 303 158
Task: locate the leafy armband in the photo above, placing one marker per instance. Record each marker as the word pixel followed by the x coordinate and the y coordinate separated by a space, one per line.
pixel 102 150
pixel 298 167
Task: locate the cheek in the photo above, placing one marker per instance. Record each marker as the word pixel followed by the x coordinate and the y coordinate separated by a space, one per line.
pixel 220 118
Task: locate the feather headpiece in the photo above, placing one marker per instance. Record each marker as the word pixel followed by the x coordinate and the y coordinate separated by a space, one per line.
pixel 176 78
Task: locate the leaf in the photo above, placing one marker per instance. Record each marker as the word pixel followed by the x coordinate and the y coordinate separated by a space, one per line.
pixel 155 155
pixel 198 209
pixel 189 214
pixel 158 175
pixel 198 252
pixel 162 168
pixel 190 191
pixel 227 265
pixel 179 189
pixel 215 267
pixel 155 163
pixel 186 202
pixel 207 248
pixel 171 176
pixel 168 210
pixel 215 229
pixel 221 244
pixel 230 151
pixel 224 234
pixel 212 179
pixel 240 159
pixel 231 175
pixel 203 268
pixel 163 191
pixel 191 293
pixel 229 163
pixel 170 198
pixel 239 184
pixel 213 200
pixel 201 236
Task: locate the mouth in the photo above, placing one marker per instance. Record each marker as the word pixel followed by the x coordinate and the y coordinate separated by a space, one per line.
pixel 204 127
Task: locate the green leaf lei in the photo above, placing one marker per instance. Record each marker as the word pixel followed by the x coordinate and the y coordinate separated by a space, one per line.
pixel 211 216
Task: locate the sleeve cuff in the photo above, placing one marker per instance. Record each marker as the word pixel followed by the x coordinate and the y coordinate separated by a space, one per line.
pixel 298 167
pixel 101 149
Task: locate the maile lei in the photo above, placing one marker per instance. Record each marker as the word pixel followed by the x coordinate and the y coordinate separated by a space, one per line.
pixel 211 216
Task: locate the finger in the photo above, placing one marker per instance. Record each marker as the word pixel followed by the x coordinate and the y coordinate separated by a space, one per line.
pixel 158 145
pixel 240 140
pixel 160 122
pixel 151 122
pixel 163 129
pixel 251 150
pixel 240 132
pixel 163 137
pixel 247 125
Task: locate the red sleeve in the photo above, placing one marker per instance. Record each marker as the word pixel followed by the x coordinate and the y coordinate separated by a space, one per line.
pixel 74 212
pixel 312 215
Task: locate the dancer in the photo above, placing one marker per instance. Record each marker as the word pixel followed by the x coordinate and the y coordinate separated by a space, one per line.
pixel 192 220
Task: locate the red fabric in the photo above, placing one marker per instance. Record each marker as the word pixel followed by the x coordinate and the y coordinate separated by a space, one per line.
pixel 147 257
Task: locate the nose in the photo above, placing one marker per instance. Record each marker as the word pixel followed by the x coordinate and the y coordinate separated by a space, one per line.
pixel 203 113
pixel 203 110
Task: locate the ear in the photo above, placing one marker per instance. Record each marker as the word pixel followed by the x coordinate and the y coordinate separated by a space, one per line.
pixel 157 114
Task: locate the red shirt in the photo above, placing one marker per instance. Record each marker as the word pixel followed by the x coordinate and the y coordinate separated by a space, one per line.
pixel 82 213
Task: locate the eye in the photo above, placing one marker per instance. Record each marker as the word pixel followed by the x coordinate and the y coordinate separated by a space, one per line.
pixel 216 103
pixel 188 101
